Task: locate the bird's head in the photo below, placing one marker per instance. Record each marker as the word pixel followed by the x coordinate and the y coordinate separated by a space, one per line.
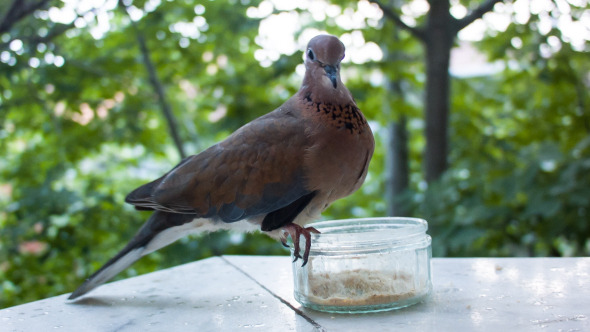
pixel 322 60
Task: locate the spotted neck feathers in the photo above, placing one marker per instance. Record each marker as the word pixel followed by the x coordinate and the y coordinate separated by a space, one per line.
pixel 340 115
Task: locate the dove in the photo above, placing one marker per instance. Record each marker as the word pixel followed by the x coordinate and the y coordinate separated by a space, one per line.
pixel 274 174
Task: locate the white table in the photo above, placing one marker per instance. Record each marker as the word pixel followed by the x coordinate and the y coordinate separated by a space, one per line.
pixel 254 293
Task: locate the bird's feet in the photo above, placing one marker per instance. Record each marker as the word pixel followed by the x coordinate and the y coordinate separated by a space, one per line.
pixel 296 231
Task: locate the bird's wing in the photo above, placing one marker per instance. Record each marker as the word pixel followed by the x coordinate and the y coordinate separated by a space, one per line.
pixel 255 171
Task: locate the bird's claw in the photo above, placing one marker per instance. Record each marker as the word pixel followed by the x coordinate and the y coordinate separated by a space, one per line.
pixel 284 242
pixel 296 231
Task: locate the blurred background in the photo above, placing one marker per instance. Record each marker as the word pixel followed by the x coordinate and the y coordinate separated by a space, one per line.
pixel 480 110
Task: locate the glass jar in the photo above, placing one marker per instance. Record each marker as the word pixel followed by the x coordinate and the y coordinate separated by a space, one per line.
pixel 365 265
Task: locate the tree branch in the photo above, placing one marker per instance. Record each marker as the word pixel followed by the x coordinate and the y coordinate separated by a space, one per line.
pixel 17 11
pixel 478 12
pixel 389 13
pixel 56 31
pixel 157 85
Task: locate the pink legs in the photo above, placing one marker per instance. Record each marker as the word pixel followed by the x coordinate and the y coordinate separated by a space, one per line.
pixel 296 231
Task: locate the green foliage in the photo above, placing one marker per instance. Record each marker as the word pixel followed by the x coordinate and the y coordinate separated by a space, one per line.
pixel 80 127
pixel 78 136
pixel 527 202
pixel 519 179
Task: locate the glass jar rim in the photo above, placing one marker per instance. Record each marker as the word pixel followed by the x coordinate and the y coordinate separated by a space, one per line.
pixel 369 233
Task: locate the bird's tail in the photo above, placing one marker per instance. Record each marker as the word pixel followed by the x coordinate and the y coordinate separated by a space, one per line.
pixel 160 230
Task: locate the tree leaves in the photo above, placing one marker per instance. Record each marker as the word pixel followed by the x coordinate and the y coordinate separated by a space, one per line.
pixel 80 127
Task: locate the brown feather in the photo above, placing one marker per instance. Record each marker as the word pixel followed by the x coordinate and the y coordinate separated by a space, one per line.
pixel 280 170
pixel 317 141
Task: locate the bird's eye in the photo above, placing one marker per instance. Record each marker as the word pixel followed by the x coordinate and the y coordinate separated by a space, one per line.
pixel 310 54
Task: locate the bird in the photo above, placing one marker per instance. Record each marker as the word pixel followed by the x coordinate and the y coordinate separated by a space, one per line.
pixel 275 174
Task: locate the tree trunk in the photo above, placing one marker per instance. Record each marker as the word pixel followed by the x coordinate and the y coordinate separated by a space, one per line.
pixel 438 36
pixel 158 87
pixel 161 95
pixel 398 169
pixel 438 43
pixel 397 163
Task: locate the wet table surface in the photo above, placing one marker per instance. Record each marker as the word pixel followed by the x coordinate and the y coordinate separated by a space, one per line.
pixel 254 293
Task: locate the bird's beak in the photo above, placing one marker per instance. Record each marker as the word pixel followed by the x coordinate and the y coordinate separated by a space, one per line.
pixel 332 74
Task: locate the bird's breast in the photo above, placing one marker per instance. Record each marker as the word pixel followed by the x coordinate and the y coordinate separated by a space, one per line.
pixel 342 146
